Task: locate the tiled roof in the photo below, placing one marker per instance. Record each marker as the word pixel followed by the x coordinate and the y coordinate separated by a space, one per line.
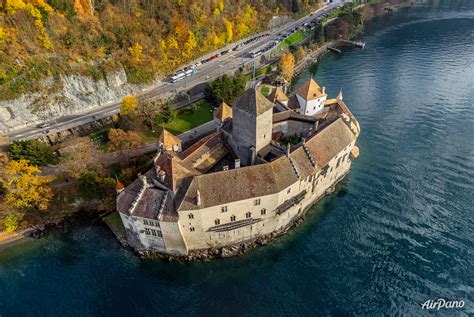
pixel 310 90
pixel 327 143
pixel 168 139
pixel 223 112
pixel 253 102
pixel 277 95
pixel 239 184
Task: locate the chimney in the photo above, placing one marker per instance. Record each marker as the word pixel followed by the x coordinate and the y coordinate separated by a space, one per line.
pixel 316 126
pixel 324 90
pixel 226 168
pixel 198 198
pixel 237 163
pixel 303 140
pixel 288 149
pixel 161 176
pixel 253 157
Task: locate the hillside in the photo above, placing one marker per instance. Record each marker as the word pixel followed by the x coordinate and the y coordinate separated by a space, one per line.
pixel 43 39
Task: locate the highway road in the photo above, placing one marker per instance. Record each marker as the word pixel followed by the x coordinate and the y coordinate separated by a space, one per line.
pixel 227 64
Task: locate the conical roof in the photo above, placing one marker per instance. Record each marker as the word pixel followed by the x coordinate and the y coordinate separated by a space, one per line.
pixel 253 102
pixel 277 95
pixel 223 112
pixel 310 90
pixel 168 139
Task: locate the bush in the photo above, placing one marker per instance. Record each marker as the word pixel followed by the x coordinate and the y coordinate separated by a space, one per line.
pixel 37 152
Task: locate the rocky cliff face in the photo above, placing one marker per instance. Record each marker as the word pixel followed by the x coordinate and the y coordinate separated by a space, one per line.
pixel 78 94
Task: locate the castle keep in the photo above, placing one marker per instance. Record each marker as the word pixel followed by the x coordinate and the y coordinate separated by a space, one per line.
pixel 244 181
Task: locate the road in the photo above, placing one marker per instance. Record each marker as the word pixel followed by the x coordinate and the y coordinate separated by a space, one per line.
pixel 227 64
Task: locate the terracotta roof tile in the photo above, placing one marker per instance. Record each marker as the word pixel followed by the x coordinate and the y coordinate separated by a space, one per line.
pixel 310 90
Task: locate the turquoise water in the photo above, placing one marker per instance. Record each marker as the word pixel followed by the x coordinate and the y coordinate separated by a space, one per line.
pixel 398 232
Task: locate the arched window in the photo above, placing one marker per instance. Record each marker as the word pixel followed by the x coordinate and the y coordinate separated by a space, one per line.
pixel 248 215
pixel 263 211
pixel 232 218
pixel 217 221
pixel 191 216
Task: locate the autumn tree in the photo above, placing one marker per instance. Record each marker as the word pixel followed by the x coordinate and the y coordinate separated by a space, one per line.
pixel 286 65
pixel 300 53
pixel 25 187
pixel 123 141
pixel 148 111
pixel 81 153
pixel 129 104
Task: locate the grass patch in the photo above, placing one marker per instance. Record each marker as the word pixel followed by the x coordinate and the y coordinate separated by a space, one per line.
pixel 295 38
pixel 188 118
pixel 265 90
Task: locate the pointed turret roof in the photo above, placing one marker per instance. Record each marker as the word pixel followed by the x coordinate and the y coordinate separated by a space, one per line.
pixel 310 90
pixel 253 102
pixel 277 95
pixel 223 112
pixel 168 139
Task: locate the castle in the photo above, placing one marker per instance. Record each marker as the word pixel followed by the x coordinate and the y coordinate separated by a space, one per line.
pixel 244 181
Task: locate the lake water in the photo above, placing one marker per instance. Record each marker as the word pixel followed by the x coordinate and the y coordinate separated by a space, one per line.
pixel 398 232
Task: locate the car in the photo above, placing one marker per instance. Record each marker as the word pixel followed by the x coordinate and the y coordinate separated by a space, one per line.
pixel 198 64
pixel 213 57
pixel 43 125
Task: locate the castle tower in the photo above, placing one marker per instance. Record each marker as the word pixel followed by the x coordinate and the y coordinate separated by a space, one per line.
pixel 311 98
pixel 251 124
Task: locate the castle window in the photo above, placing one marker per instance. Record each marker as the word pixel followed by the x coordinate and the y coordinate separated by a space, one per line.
pixel 224 209
pixel 153 232
pixel 288 191
pixel 217 221
pixel 191 229
pixel 257 202
pixel 145 222
pixel 147 231
pixel 232 218
pixel 248 215
pixel 263 211
pixel 191 216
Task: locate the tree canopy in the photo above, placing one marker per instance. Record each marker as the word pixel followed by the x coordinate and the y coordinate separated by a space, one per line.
pixel 36 152
pixel 225 89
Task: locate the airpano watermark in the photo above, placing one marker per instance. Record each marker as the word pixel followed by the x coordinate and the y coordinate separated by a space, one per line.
pixel 441 303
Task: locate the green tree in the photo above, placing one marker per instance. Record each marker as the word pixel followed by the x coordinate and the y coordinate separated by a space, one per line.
pixel 225 89
pixel 37 152
pixel 94 186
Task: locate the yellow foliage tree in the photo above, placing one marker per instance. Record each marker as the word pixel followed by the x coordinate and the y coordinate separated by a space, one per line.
pixel 129 104
pixel 286 65
pixel 229 27
pixel 25 187
pixel 191 43
pixel 137 52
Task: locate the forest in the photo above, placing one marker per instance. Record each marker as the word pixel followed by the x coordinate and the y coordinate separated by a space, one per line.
pixel 40 40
